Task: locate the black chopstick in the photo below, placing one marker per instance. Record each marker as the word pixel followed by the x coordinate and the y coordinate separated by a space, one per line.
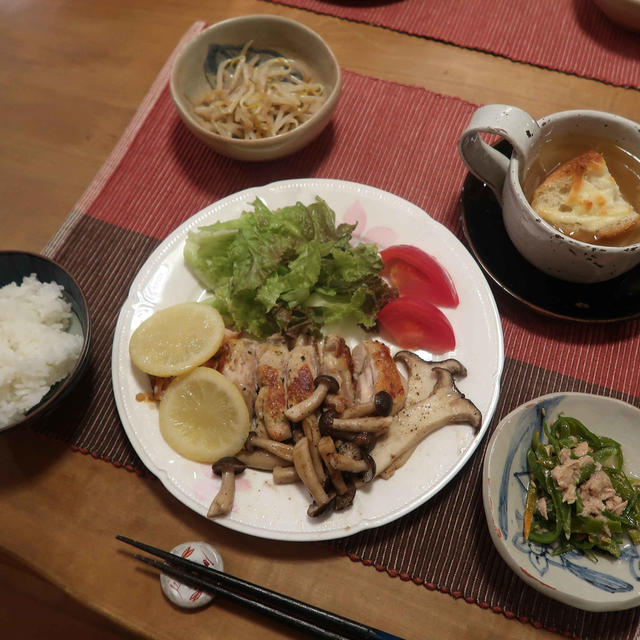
pixel 301 615
pixel 193 580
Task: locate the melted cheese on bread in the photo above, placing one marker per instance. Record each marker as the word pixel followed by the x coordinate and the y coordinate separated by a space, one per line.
pixel 582 199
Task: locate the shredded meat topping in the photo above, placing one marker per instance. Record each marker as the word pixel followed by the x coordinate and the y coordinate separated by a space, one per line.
pixel 567 472
pixel 597 494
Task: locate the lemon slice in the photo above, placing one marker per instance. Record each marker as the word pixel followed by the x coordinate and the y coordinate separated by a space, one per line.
pixel 203 416
pixel 177 339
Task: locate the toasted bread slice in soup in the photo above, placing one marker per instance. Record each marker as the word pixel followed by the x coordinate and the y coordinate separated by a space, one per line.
pixel 582 199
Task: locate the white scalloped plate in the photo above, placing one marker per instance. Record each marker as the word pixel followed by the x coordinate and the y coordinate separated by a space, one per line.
pixel 279 512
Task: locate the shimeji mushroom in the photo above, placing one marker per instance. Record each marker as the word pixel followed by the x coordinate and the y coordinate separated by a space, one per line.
pixel 280 449
pixel 285 475
pixel 323 385
pixel 366 441
pixel 326 446
pixel 312 433
pixel 259 459
pixel 346 499
pixel 322 501
pixel 349 458
pixel 379 405
pixel 227 468
pixel 330 424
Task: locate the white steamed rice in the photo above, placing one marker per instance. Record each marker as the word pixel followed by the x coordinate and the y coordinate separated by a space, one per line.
pixel 35 349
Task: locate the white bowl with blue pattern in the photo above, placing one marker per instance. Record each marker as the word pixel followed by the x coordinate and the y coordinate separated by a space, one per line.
pixel 609 584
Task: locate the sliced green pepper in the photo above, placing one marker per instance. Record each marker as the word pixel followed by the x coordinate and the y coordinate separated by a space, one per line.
pixel 634 534
pixel 586 472
pixel 535 469
pixel 553 441
pixel 609 456
pixel 610 547
pixel 563 527
pixel 577 429
pixel 541 535
pixel 563 509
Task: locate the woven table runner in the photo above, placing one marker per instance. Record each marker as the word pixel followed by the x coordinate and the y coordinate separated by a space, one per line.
pixel 159 175
pixel 573 36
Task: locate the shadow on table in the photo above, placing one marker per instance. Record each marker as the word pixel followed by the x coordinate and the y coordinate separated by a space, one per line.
pixel 65 422
pixel 33 460
pixel 609 35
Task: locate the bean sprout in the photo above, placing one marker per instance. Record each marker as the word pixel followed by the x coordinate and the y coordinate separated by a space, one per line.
pixel 253 99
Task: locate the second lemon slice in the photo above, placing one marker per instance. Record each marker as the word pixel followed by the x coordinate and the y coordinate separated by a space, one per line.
pixel 177 339
pixel 203 416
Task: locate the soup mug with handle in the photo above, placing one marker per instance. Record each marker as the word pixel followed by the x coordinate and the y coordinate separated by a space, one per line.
pixel 540 243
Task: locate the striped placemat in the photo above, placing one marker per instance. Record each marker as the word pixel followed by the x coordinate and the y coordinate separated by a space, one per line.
pixel 573 36
pixel 159 175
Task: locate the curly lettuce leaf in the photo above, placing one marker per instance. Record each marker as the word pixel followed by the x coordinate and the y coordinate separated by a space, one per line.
pixel 287 270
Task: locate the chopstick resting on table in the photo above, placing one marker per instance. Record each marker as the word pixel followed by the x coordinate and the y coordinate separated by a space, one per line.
pixel 302 616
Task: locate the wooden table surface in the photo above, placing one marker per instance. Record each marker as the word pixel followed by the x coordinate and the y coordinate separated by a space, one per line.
pixel 73 74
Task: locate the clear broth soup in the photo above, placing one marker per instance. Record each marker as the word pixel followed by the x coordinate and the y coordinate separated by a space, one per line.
pixel 624 167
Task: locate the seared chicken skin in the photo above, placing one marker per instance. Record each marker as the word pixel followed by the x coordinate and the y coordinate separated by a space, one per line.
pixel 272 395
pixel 237 360
pixel 375 371
pixel 337 362
pixel 302 369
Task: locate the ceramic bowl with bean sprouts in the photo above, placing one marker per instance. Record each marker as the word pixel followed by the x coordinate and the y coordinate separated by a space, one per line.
pixel 256 87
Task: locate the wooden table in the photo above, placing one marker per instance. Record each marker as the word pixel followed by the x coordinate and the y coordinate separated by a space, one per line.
pixel 73 74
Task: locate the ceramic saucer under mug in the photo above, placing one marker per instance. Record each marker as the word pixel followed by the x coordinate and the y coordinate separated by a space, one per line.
pixel 481 216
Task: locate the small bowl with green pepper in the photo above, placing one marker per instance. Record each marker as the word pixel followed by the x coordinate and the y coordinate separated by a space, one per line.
pixel 561 492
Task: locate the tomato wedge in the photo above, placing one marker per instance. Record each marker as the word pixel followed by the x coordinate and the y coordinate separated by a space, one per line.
pixel 414 323
pixel 415 273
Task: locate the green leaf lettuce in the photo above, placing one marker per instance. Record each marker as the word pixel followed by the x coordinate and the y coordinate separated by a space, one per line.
pixel 287 270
